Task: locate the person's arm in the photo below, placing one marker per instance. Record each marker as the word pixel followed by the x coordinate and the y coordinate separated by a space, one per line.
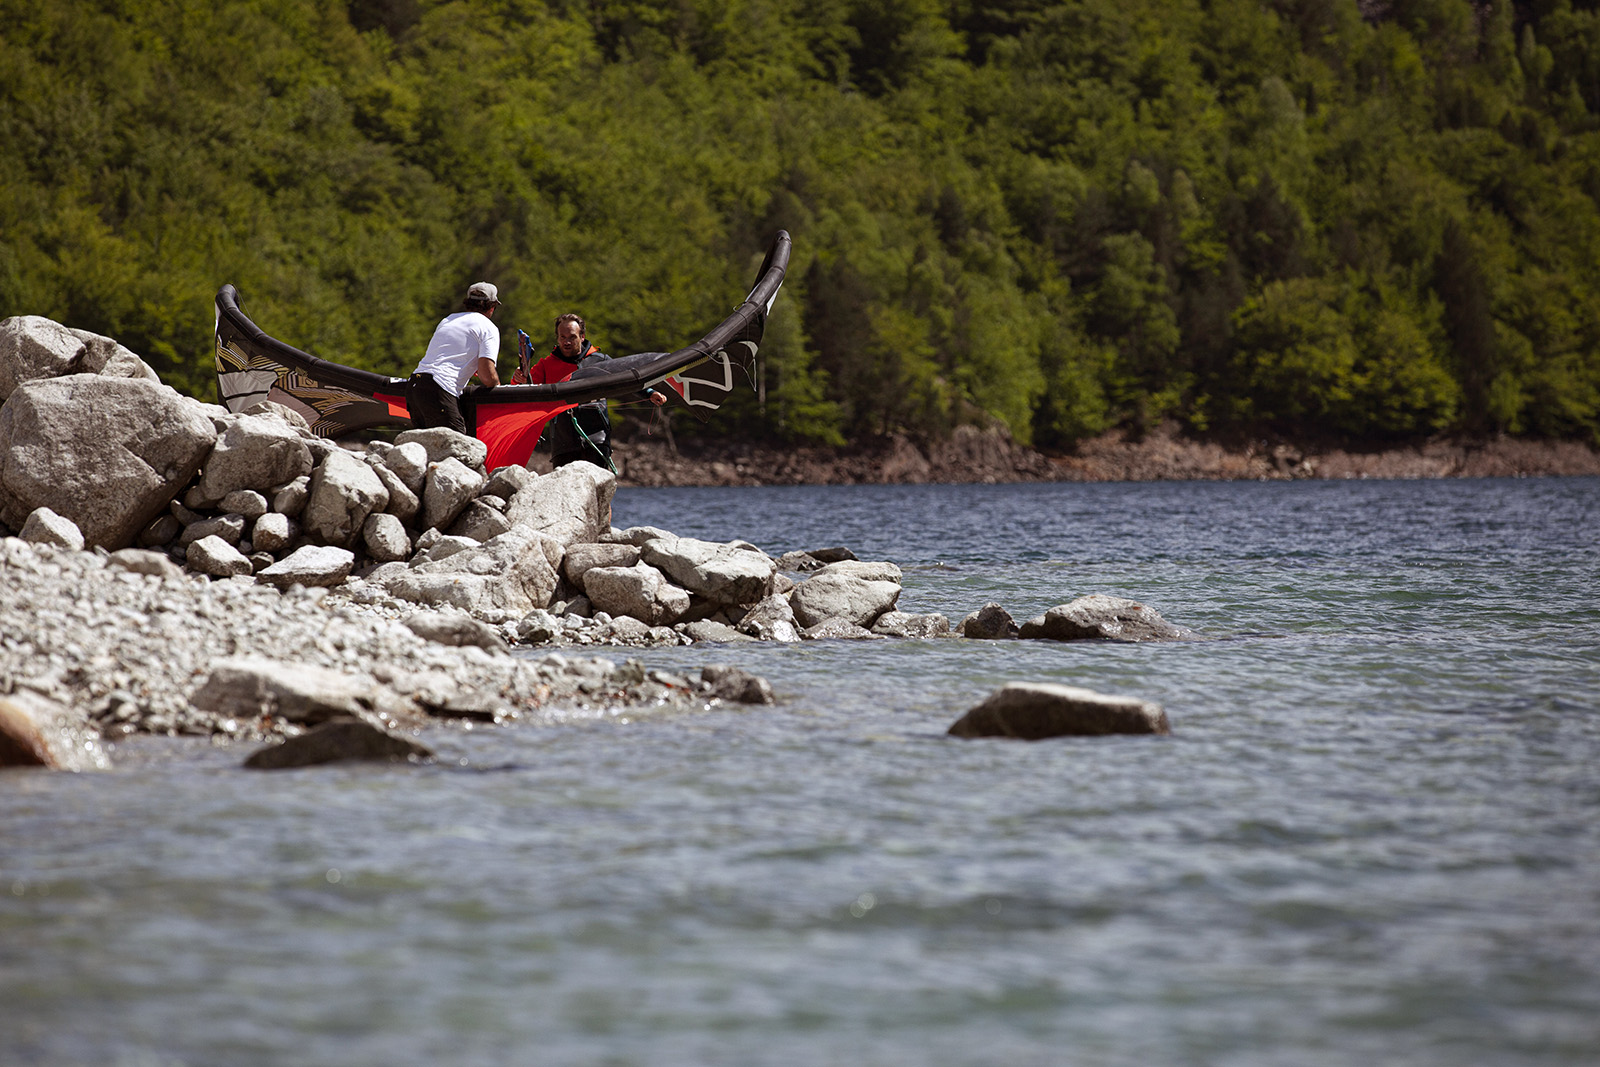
pixel 487 372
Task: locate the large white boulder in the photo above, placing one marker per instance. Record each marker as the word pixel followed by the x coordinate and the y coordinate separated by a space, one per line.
pixel 253 453
pixel 639 592
pixel 107 453
pixel 449 487
pixel 504 578
pixel 842 596
pixel 734 573
pixel 571 503
pixel 259 452
pixel 442 444
pixel 344 491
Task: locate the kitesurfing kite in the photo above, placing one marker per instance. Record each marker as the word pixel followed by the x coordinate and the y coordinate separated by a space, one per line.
pixel 337 400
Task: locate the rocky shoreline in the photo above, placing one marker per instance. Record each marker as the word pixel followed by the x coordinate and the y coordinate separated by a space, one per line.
pixel 990 456
pixel 178 568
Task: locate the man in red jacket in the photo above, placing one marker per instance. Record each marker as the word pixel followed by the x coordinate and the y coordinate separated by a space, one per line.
pixel 585 431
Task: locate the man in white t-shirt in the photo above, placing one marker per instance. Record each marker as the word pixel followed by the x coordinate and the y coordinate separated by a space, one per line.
pixel 465 344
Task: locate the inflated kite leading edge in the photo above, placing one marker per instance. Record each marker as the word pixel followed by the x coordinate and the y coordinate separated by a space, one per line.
pixel 337 400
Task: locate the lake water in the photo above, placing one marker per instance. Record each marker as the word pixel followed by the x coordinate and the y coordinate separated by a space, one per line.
pixel 1373 837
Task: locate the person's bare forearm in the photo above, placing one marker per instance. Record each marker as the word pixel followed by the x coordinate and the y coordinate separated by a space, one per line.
pixel 488 373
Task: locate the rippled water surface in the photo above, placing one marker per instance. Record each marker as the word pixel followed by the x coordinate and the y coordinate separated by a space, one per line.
pixel 1371 839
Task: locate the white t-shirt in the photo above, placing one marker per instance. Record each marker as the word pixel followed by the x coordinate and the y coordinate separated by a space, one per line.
pixel 458 343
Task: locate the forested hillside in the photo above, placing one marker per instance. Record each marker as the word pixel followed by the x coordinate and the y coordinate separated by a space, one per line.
pixel 1294 216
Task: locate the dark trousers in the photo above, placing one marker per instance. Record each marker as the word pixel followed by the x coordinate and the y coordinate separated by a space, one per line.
pixel 428 405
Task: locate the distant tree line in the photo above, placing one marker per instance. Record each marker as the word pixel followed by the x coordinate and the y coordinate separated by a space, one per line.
pixel 1303 217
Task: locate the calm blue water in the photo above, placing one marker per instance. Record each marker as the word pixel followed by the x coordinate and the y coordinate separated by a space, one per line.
pixel 1374 837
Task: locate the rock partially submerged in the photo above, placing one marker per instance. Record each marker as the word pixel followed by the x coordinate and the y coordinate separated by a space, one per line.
pixel 1031 711
pixel 1101 618
pixel 338 741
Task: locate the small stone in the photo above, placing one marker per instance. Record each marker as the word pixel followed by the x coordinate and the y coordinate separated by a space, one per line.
pixel 273 532
pixel 45 527
pixel 454 628
pixel 246 502
pixel 310 566
pixel 216 557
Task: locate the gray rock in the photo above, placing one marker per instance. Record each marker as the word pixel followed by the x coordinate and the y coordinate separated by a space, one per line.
pixel 506 482
pixel 32 348
pixel 538 626
pixel 228 527
pixel 45 527
pixel 162 530
pixel 503 578
pixel 273 531
pixel 799 561
pixel 442 444
pixel 739 686
pixel 344 491
pixel 385 537
pixel 283 412
pixel 104 356
pixel 830 596
pixel 640 591
pixel 310 566
pixel 572 503
pixel 772 619
pixel 454 628
pixel 989 623
pixel 1034 710
pixel 480 522
pixel 706 630
pixel 1103 618
pixel 581 558
pixel 902 624
pixel 107 453
pixel 867 571
pixel 409 463
pixel 216 557
pixel 337 741
pixel 144 561
pixel 36 731
pixel 721 573
pixel 403 503
pixel 255 452
pixel 449 487
pixel 247 502
pixel 250 687
pixel 634 535
pixel 290 498
pixel 839 630
pixel 440 547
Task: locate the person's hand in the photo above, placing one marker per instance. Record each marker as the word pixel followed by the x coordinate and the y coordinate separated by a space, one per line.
pixel 518 378
pixel 658 398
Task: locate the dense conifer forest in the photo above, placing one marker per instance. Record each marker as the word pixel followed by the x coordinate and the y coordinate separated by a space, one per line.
pixel 1369 222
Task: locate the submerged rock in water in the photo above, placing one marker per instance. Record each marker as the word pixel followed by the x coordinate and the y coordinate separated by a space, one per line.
pixel 1101 618
pixel 739 686
pixel 989 623
pixel 902 624
pixel 1031 711
pixel 336 741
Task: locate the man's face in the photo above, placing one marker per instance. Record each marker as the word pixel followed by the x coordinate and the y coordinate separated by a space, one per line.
pixel 569 338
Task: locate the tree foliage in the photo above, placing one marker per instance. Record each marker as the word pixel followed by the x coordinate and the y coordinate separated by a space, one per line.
pixel 1056 215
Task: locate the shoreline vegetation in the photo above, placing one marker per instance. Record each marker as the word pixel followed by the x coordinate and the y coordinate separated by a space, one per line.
pixel 1303 220
pixel 970 455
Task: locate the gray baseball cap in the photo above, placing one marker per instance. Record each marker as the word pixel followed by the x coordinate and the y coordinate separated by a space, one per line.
pixel 483 291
